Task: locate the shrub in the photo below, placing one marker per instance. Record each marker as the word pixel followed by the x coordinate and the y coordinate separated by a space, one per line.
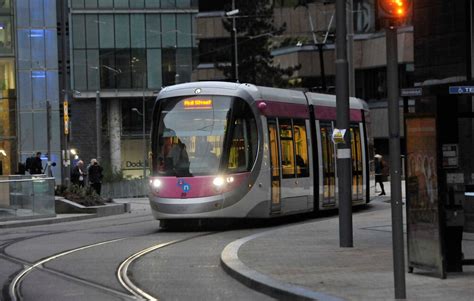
pixel 85 196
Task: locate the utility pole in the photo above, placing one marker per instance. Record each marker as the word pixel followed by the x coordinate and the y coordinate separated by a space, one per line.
pixel 66 171
pixel 344 171
pixel 350 48
pixel 98 124
pixel 392 14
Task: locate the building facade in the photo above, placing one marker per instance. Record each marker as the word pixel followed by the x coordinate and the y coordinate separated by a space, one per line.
pixel 123 52
pixel 298 46
pixel 8 124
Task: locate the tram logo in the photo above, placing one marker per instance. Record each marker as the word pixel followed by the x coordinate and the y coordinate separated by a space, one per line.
pixel 184 186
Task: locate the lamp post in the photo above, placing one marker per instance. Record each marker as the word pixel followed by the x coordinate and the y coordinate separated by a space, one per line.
pixel 235 63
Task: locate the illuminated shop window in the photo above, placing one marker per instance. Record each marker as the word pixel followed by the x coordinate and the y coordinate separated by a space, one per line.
pixel 6 34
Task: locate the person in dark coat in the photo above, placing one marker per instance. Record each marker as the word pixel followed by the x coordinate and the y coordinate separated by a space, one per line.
pixel 36 166
pixel 95 175
pixel 379 166
pixel 78 174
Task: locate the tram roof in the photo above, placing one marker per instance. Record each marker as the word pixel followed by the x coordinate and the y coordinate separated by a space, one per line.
pixel 261 93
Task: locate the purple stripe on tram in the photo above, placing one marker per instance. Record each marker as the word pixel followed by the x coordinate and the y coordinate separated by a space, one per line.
pixel 283 109
pixel 294 110
pixel 330 113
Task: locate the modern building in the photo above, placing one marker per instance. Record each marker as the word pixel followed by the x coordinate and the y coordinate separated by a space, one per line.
pixel 298 46
pixel 8 118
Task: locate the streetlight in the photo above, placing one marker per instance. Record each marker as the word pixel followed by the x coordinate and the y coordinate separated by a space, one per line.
pixel 232 14
pixel 98 108
pixel 144 135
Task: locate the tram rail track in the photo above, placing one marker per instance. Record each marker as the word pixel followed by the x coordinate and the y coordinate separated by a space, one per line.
pixel 14 288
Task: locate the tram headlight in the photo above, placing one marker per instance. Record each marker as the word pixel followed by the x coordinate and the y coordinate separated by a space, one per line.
pixel 218 182
pixel 155 183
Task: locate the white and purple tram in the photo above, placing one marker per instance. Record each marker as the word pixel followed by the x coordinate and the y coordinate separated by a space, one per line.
pixel 230 150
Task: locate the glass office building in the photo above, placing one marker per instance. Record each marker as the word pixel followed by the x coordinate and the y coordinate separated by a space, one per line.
pixel 8 138
pixel 124 51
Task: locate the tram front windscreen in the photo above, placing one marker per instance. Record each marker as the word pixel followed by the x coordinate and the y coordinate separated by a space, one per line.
pixel 194 136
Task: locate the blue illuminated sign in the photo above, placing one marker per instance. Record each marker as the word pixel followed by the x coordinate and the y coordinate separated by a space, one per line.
pixel 461 90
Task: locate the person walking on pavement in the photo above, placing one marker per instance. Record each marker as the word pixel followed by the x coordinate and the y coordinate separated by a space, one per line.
pixel 379 166
pixel 95 175
pixel 78 174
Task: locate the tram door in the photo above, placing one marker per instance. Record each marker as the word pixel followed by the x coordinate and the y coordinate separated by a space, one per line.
pixel 357 164
pixel 274 165
pixel 329 165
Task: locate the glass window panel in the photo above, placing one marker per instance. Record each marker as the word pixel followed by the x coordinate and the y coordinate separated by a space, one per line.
pixel 137 4
pixel 168 3
pixel 50 13
pixel 168 30
pixel 90 3
pixel 24 49
pixel 52 87
pixel 169 66
pixel 106 3
pixel 153 31
pixel 301 148
pixel 154 68
pixel 80 70
pixel 138 68
pixel 183 3
pixel 152 3
pixel 107 64
pixel 22 14
pixel 193 29
pixel 122 64
pixel 92 31
pixel 137 24
pixel 39 134
pixel 287 150
pixel 25 102
pixel 7 74
pixel 106 31
pixel 184 65
pixel 27 131
pixel 52 48
pixel 37 43
pixel 5 35
pixel 184 32
pixel 122 31
pixel 92 69
pixel 36 14
pixel 78 32
pixel 38 83
pixel 121 3
pixel 77 4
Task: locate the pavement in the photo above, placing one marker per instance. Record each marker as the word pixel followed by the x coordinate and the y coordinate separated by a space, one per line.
pixel 304 261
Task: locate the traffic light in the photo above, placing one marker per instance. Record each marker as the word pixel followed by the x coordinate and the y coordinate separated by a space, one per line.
pixel 396 11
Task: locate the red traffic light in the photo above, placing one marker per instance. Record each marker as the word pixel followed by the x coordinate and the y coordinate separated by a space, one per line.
pixel 393 9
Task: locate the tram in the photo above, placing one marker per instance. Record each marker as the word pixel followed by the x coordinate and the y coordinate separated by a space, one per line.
pixel 231 150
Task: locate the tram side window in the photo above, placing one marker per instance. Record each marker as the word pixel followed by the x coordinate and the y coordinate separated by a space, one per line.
pixel 287 149
pixel 243 147
pixel 301 148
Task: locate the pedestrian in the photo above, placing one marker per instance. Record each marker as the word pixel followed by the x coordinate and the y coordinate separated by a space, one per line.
pixel 35 164
pixel 95 175
pixel 379 167
pixel 78 174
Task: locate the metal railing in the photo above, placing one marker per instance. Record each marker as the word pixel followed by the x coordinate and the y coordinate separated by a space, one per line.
pixel 125 189
pixel 26 196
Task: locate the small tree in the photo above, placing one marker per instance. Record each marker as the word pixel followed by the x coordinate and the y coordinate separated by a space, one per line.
pixel 255 27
